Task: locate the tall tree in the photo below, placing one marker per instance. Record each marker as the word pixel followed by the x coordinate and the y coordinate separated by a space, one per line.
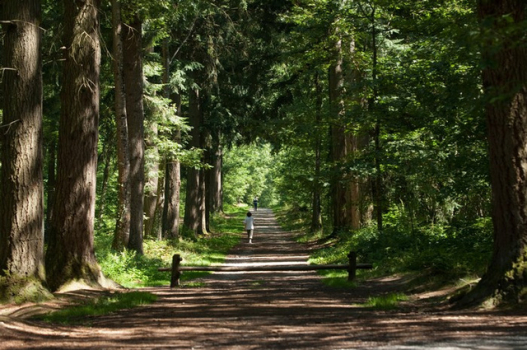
pixel 316 210
pixel 122 227
pixel 171 204
pixel 21 206
pixel 133 82
pixel 70 255
pixel 505 83
pixel 215 203
pixel 194 219
pixel 338 138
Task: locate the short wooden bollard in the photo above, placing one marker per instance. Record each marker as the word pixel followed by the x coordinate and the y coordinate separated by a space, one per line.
pixel 176 273
pixel 352 267
pixel 177 268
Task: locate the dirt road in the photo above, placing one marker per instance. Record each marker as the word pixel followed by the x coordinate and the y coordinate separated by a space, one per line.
pixel 270 310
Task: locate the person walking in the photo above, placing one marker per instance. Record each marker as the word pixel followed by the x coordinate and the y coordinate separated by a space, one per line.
pixel 249 226
pixel 255 203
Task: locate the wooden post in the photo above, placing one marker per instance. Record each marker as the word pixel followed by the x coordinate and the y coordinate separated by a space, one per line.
pixel 352 268
pixel 174 280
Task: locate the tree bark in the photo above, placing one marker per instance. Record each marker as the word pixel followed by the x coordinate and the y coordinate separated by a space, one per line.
pixel 316 215
pixel 505 83
pixel 107 156
pixel 51 183
pixel 70 254
pixel 172 198
pixel 21 189
pixel 338 142
pixel 171 207
pixel 215 183
pixel 152 187
pixel 193 216
pixel 133 82
pixel 122 226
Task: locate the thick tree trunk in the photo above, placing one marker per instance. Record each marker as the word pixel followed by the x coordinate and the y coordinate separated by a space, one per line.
pixel 70 254
pixel 505 82
pixel 21 188
pixel 122 227
pixel 133 82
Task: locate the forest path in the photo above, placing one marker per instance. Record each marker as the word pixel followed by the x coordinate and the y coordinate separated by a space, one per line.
pixel 273 310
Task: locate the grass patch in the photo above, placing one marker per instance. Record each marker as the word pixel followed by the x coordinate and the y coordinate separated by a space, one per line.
pixel 386 302
pixel 98 306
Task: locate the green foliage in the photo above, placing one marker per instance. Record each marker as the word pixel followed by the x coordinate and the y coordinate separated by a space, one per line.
pixel 248 173
pixel 450 252
pixel 98 306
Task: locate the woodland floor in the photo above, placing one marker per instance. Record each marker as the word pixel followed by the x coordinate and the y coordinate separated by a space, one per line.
pixel 270 310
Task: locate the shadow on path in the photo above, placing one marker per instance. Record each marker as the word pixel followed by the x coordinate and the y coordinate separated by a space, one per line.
pixel 273 310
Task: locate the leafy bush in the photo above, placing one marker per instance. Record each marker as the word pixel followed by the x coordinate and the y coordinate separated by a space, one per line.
pixel 441 250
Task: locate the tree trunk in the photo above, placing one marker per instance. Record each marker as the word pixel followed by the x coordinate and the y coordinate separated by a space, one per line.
pixel 204 214
pixel 338 143
pixel 21 189
pixel 354 147
pixel 316 216
pixel 215 183
pixel 70 254
pixel 378 190
pixel 172 198
pixel 133 82
pixel 101 206
pixel 192 219
pixel 505 82
pixel 152 187
pixel 51 183
pixel 122 226
pixel 170 222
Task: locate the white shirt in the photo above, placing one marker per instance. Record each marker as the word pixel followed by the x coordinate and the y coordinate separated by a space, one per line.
pixel 249 223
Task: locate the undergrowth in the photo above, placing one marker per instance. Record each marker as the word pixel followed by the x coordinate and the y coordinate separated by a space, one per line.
pixel 132 270
pixel 445 253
